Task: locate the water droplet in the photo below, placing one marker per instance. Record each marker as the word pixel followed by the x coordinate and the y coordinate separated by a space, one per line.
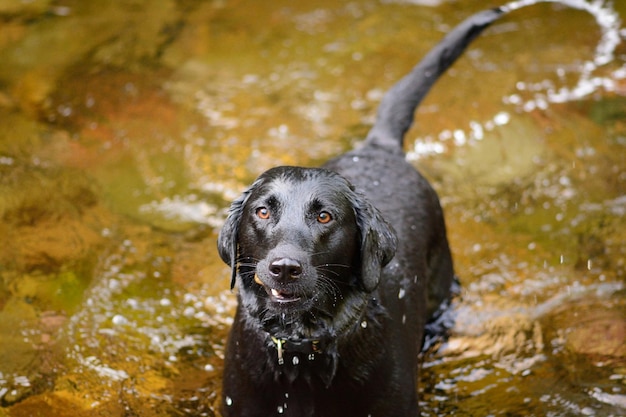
pixel 280 409
pixel 401 293
pixel 5 160
pixel 502 118
pixel 364 324
pixel 459 137
pixel 295 360
pixel 228 401
pixel 588 411
pixel 355 159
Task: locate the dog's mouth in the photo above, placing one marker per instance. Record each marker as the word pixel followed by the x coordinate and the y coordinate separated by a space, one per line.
pixel 276 295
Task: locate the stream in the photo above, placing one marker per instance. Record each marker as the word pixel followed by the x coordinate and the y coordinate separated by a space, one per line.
pixel 128 126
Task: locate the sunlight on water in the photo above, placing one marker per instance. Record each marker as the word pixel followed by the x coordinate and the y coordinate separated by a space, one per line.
pixel 131 311
pixel 184 209
pixel 547 92
pixel 129 127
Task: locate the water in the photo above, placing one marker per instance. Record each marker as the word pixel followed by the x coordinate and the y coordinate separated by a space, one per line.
pixel 126 128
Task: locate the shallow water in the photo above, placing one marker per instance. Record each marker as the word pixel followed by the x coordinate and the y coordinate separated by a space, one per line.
pixel 127 127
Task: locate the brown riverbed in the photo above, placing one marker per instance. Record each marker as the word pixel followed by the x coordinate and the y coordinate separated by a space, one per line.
pixel 127 127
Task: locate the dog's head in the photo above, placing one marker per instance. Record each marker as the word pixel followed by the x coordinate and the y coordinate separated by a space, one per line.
pixel 303 238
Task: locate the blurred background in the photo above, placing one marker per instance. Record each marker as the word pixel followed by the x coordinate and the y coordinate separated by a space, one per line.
pixel 128 126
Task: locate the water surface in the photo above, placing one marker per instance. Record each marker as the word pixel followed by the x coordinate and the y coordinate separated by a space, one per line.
pixel 127 127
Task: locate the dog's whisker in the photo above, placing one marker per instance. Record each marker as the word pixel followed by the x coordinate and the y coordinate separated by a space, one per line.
pixel 330 287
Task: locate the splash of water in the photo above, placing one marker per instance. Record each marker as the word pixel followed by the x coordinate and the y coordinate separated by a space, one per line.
pixel 609 23
pixel 546 93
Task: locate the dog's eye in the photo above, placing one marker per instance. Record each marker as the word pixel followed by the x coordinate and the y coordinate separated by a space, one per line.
pixel 324 217
pixel 263 213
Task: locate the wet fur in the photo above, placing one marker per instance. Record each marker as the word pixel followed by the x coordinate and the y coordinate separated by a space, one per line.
pixel 369 281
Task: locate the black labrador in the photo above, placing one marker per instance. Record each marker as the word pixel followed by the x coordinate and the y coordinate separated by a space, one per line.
pixel 339 269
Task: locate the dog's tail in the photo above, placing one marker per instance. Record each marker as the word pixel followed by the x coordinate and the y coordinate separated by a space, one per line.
pixel 396 111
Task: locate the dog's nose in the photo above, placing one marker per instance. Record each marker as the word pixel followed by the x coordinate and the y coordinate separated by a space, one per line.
pixel 284 268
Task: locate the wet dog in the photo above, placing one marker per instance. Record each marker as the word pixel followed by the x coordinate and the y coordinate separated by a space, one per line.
pixel 339 270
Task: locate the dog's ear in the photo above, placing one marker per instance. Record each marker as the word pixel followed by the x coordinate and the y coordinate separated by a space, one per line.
pixel 227 242
pixel 378 242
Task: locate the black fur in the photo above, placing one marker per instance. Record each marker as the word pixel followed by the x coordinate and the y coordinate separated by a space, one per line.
pixel 339 269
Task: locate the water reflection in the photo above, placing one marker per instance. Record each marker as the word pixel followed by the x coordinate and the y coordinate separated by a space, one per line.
pixel 127 128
